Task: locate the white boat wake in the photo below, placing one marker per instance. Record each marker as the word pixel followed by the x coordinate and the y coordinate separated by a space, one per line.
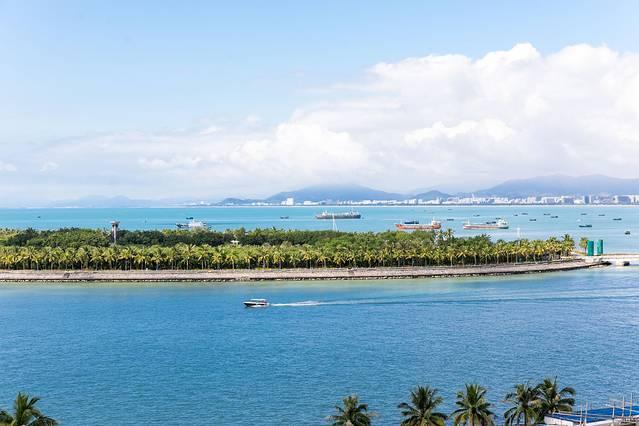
pixel 300 304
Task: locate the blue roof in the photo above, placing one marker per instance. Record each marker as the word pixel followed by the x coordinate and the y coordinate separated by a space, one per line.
pixel 597 414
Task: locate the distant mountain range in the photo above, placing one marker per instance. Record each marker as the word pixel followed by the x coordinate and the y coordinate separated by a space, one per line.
pixel 318 193
pixel 553 185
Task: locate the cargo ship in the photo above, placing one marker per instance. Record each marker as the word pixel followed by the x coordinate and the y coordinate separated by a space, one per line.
pixel 341 215
pixel 500 224
pixel 406 226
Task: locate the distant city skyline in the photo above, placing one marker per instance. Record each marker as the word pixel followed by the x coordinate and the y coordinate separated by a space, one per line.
pixel 246 99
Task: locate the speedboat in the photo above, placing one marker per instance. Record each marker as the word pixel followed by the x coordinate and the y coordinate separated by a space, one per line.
pixel 256 303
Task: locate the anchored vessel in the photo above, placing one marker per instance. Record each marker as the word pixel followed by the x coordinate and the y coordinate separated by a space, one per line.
pixel 192 224
pixel 340 215
pixel 500 224
pixel 411 226
pixel 256 303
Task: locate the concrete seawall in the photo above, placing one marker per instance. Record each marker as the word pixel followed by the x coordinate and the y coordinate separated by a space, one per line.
pixel 292 274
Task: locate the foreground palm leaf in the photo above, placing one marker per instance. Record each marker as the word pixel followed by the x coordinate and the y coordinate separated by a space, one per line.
pixel 421 410
pixel 553 400
pixel 473 407
pixel 25 413
pixel 352 413
pixel 525 404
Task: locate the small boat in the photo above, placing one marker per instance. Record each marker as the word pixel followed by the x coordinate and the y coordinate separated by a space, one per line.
pixel 500 224
pixel 476 215
pixel 532 220
pixel 189 218
pixel 515 214
pixel 340 215
pixel 450 219
pixel 256 303
pixel 627 233
pixel 433 225
pixel 554 217
pixel 584 214
pixel 524 214
pixel 283 217
pixel 601 214
pixel 586 226
pixel 616 218
pixel 546 214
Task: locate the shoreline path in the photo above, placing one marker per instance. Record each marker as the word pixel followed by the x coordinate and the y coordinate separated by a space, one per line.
pixel 243 275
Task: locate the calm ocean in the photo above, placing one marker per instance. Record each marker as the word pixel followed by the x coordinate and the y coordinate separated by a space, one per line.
pixel 373 219
pixel 177 354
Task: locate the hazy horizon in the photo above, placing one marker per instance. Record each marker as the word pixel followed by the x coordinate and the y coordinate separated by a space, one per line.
pixel 211 101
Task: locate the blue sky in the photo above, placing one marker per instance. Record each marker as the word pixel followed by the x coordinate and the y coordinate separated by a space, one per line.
pixel 71 70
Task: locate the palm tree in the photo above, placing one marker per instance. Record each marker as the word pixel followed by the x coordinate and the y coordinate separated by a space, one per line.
pixel 554 400
pixel 25 413
pixel 421 411
pixel 525 405
pixel 352 414
pixel 473 407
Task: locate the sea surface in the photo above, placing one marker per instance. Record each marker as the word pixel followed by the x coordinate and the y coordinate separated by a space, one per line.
pixel 177 354
pixel 542 224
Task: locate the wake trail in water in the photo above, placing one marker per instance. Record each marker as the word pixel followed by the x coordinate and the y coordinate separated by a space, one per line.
pixel 298 304
pixel 464 300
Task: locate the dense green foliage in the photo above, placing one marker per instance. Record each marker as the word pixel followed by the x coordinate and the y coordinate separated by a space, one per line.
pixel 90 249
pixel 77 237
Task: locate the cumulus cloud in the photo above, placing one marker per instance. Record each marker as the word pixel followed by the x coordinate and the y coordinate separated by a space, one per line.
pixel 437 120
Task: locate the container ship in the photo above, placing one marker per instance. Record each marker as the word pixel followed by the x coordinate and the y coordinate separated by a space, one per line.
pixel 412 226
pixel 500 224
pixel 342 215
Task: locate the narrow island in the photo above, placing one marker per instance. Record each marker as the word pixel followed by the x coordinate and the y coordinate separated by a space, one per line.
pixel 74 254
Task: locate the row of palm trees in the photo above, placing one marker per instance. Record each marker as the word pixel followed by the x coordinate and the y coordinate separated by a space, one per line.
pixel 25 413
pixel 528 405
pixel 329 253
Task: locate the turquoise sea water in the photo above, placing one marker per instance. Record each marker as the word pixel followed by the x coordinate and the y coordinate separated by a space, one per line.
pixel 176 354
pixel 374 219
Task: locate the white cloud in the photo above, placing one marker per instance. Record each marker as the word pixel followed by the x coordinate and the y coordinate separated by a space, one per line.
pixel 49 166
pixel 7 167
pixel 434 120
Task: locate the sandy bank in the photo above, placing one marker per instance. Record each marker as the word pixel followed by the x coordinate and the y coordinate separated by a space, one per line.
pixel 295 274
